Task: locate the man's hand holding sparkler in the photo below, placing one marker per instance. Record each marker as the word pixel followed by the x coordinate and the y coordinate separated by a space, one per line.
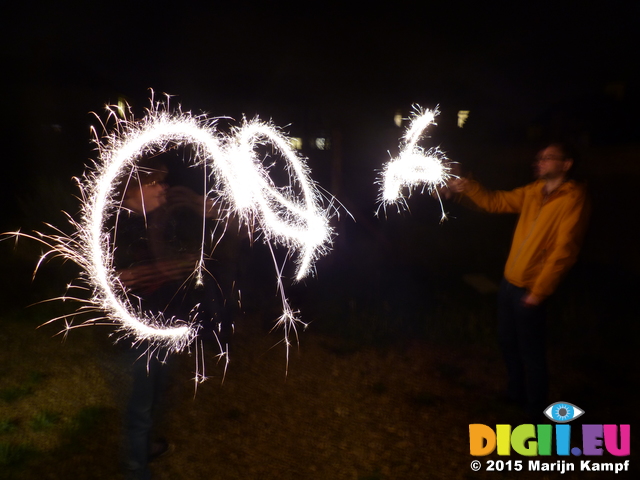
pixel 457 184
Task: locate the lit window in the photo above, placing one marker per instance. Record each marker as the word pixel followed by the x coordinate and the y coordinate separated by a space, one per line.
pixel 296 142
pixel 122 107
pixel 462 117
pixel 397 119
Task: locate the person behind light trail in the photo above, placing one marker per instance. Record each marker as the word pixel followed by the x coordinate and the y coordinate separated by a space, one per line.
pixel 158 239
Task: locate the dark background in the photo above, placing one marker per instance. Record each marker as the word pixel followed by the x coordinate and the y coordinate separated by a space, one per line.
pixel 528 73
pixel 525 73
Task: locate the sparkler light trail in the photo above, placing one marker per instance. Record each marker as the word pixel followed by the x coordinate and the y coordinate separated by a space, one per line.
pixel 299 224
pixel 293 216
pixel 414 165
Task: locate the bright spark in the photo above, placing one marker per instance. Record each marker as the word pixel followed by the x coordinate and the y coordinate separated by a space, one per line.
pixel 414 165
pixel 293 216
pixel 299 224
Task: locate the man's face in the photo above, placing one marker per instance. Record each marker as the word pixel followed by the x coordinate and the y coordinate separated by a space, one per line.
pixel 153 195
pixel 147 197
pixel 551 164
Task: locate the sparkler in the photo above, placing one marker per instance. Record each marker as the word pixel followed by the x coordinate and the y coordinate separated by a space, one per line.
pixel 293 216
pixel 414 165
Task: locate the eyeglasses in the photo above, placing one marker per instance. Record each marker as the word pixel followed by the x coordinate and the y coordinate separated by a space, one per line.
pixel 153 183
pixel 547 158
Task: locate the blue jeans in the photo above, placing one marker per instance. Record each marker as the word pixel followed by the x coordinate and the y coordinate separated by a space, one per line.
pixel 521 334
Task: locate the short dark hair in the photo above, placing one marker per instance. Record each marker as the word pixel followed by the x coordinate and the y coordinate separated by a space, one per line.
pixel 568 151
pixel 571 152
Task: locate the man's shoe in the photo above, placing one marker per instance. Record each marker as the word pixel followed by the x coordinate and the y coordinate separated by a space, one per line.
pixel 159 448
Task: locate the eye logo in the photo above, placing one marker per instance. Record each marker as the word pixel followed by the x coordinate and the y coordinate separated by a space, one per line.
pixel 562 412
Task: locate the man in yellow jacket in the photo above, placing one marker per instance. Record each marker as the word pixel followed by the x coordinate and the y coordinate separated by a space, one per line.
pixel 553 215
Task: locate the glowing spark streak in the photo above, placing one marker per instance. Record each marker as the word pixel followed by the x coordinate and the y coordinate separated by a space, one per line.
pixel 414 166
pixel 302 226
pixel 299 224
pixel 240 178
pixel 119 156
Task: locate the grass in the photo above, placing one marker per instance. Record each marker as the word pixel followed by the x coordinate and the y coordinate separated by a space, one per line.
pixel 16 392
pixel 84 423
pixel 425 399
pixel 372 476
pixel 458 326
pixel 19 457
pixel 379 388
pixel 8 426
pixel 45 420
pixel 43 410
pixel 14 455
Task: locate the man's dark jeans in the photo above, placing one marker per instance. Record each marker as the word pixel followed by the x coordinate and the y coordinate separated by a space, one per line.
pixel 521 333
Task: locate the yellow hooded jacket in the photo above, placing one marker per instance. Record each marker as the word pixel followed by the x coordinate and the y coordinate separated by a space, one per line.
pixel 548 234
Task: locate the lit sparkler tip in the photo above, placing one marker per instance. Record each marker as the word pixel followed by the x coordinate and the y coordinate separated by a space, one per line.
pixel 414 166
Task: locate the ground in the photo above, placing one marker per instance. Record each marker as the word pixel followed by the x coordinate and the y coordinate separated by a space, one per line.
pixel 341 410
